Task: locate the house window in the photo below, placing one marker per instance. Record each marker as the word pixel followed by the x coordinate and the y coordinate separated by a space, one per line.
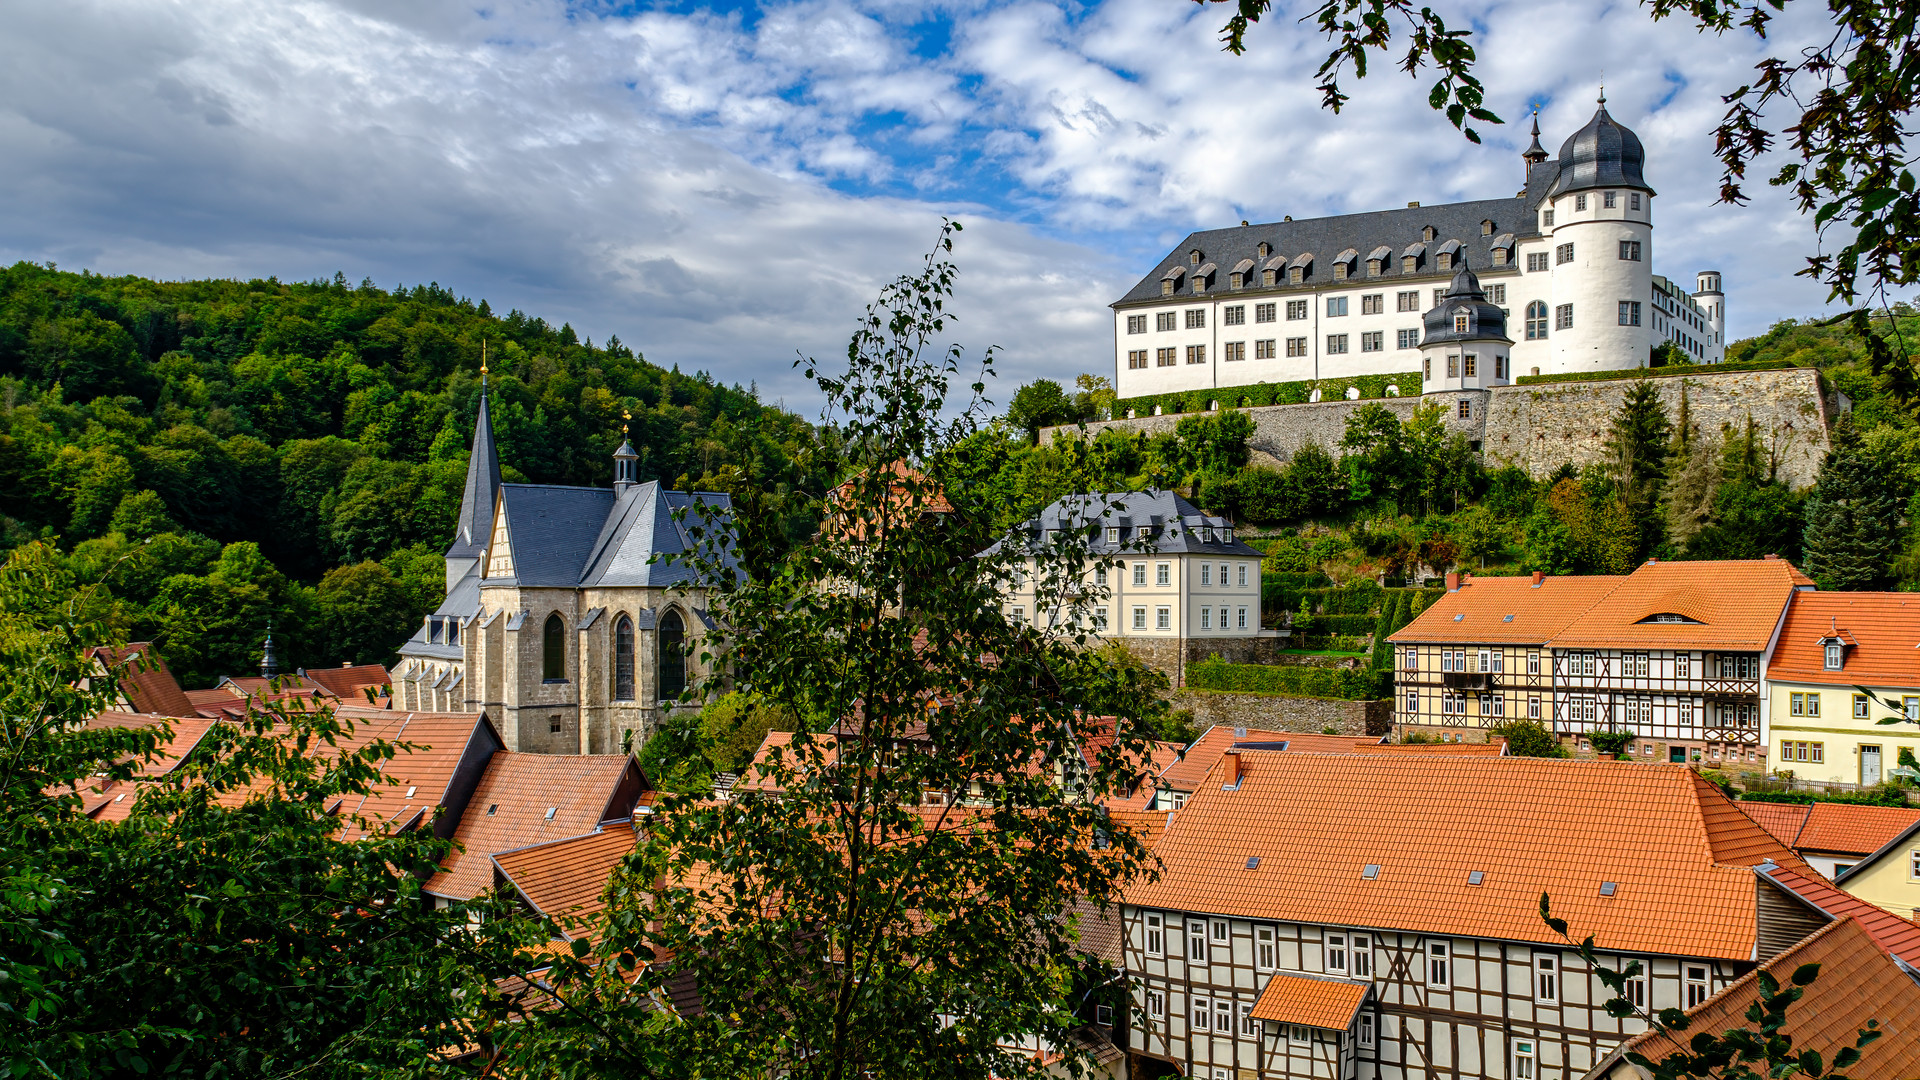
pixel 1136 324
pixel 1367 1030
pixel 1236 350
pixel 1103 1015
pixel 1680 665
pixel 1223 1015
pixel 1247 1023
pixel 1196 941
pixel 1202 1014
pixel 1608 199
pixel 1220 930
pixel 1336 306
pixel 1696 981
pixel 1563 253
pixel 1296 309
pixel 1466 408
pixel 1241 618
pixel 1407 301
pixel 1835 653
pixel 1533 663
pixel 1633 200
pixel 1563 317
pixel 1860 706
pixel 1412 659
pixel 1413 702
pixel 1630 250
pixel 1373 303
pixel 1263 349
pixel 1536 261
pixel 1336 953
pixel 1263 949
pixel 1163 573
pixel 1196 354
pixel 1336 344
pixel 1522 1059
pixel 1206 618
pixel 1163 618
pixel 1546 978
pixel 1637 991
pixel 1206 575
pixel 1468 369
pixel 623 659
pixel 1197 318
pixel 1459 322
pixel 1263 313
pixel 1299 1033
pixel 1373 341
pixel 1156 1005
pixel 1497 294
pixel 1533 708
pixel 1166 357
pixel 1360 957
pixel 1439 965
pixel 1140 618
pixel 1579 202
pixel 1236 315
pixel 1166 320
pixel 553 651
pixel 1136 359
pixel 1243 575
pixel 1139 573
pixel 1537 320
pixel 1156 934
pixel 1018 616
pixel 1296 346
pixel 1100 619
pixel 1407 339
pixel 1910 706
pixel 1629 313
pixel 1913 864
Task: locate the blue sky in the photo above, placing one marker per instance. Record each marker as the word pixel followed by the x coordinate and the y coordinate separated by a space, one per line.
pixel 725 186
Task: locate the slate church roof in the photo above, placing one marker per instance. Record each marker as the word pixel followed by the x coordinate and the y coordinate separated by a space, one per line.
pixel 483 480
pixel 568 537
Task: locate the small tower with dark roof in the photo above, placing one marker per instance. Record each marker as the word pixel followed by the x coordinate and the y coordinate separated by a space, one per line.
pixel 1534 154
pixel 626 463
pixel 1464 343
pixel 474 526
pixel 269 663
pixel 1597 219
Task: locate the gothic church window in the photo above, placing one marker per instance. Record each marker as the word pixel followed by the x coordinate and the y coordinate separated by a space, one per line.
pixel 1537 320
pixel 623 659
pixel 673 659
pixel 553 650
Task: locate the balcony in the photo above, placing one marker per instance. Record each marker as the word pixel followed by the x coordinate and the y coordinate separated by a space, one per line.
pixel 1470 680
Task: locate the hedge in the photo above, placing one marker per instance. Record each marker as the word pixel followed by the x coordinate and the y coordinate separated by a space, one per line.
pixel 1360 684
pixel 1352 625
pixel 1286 393
pixel 1657 373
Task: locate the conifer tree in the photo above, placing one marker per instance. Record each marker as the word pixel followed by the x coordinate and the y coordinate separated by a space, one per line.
pixel 1851 537
pixel 1692 475
pixel 1637 447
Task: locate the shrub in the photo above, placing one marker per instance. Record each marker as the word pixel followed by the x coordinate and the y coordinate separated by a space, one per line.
pixel 1361 684
pixel 1530 738
pixel 1609 742
pixel 1287 393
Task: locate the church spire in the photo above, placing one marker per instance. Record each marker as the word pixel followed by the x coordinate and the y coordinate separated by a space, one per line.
pixel 1534 154
pixel 475 523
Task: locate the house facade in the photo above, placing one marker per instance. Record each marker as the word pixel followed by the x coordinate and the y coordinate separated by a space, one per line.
pixel 1844 662
pixel 1568 260
pixel 1318 916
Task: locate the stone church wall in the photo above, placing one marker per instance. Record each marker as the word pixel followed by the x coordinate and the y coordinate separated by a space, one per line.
pixel 1539 427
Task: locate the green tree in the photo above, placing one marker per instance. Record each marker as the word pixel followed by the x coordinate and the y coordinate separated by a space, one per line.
pixel 1375 454
pixel 1529 738
pixel 141 514
pixel 1316 480
pixel 1850 540
pixel 1041 403
pixel 1637 447
pixel 364 615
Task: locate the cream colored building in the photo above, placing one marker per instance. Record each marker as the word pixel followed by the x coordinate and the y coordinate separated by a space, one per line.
pixel 1833 647
pixel 1890 877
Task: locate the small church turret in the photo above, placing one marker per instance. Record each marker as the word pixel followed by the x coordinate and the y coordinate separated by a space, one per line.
pixel 626 463
pixel 1535 154
pixel 474 526
pixel 269 663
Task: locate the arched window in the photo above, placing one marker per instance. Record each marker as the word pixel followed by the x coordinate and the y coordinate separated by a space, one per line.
pixel 1537 320
pixel 623 659
pixel 553 650
pixel 673 658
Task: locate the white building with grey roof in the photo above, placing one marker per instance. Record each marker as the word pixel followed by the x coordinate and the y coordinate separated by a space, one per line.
pixel 1568 260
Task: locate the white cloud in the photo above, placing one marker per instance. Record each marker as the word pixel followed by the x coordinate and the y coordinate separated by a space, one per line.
pixel 723 190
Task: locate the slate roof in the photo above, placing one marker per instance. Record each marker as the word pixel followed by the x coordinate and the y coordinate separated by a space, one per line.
pixel 462 602
pixel 1483 604
pixel 1485 321
pixel 526 799
pixel 1604 153
pixel 1681 855
pixel 1172 518
pixel 1311 1001
pixel 1882 629
pixel 474 526
pixel 1733 605
pixel 567 537
pixel 1325 238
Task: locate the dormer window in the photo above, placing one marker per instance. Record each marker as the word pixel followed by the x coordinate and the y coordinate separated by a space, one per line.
pixel 1670 617
pixel 1269 277
pixel 1486 228
pixel 1409 263
pixel 1374 268
pixel 1836 655
pixel 1265 249
pixel 1193 257
pixel 1460 321
pixel 1499 256
pixel 1296 274
pixel 1446 260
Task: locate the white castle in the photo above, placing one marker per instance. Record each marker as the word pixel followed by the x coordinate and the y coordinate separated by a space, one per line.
pixel 1560 280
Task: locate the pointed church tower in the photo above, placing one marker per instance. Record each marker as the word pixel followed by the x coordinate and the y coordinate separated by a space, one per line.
pixel 1535 154
pixel 475 524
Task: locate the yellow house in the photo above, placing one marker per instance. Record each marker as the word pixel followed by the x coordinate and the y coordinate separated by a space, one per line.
pixel 1890 877
pixel 1843 662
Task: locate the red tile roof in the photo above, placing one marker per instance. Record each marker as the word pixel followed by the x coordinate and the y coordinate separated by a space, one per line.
pixel 1894 934
pixel 1732 605
pixel 423 776
pixel 1850 829
pixel 1883 627
pixel 1858 982
pixel 566 880
pixel 108 800
pixel 1310 1001
pixel 1677 849
pixel 1783 820
pixel 146 684
pixel 1478 610
pixel 526 799
pixel 1204 753
pixel 351 683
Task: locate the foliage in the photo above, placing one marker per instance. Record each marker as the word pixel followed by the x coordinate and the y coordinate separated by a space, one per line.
pixel 1610 742
pixel 1348 684
pixel 1848 541
pixel 1667 372
pixel 1287 393
pixel 1042 403
pixel 1879 795
pixel 854 926
pixel 1529 738
pixel 1637 453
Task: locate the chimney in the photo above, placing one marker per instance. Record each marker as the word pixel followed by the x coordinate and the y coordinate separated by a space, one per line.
pixel 1538 577
pixel 1231 764
pixel 1773 556
pixel 1453 581
pixel 1469 578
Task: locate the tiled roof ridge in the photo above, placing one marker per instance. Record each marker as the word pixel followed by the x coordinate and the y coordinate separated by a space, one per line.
pixel 605 827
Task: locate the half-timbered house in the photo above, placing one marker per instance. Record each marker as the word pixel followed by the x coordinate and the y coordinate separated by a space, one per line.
pixel 1377 917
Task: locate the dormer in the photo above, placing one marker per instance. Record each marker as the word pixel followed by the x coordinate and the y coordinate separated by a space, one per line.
pixel 1343 264
pixel 1379 260
pixel 1274 268
pixel 1242 274
pixel 1427 234
pixel 1502 250
pixel 1265 250
pixel 1671 617
pixel 1193 257
pixel 1203 278
pixel 1410 259
pixel 1171 280
pixel 1447 255
pixel 1486 227
pixel 1833 650
pixel 1300 268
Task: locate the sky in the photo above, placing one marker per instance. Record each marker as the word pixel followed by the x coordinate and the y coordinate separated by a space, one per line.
pixel 725 187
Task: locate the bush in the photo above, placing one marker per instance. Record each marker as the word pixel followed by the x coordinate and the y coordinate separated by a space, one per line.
pixel 1362 684
pixel 1609 742
pixel 1287 393
pixel 1350 625
pixel 1655 373
pixel 1530 738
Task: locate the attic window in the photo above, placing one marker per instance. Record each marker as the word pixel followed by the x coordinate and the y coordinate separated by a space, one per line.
pixel 1253 862
pixel 1475 877
pixel 411 790
pixel 1507 618
pixel 551 810
pixel 1193 257
pixel 1459 617
pixel 1608 888
pixel 1671 617
pixel 1265 249
pixel 492 808
pixel 1427 233
pixel 1370 871
pixel 1486 228
pixel 1836 655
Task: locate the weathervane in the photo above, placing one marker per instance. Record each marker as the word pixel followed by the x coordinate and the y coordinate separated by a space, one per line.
pixel 625 415
pixel 483 365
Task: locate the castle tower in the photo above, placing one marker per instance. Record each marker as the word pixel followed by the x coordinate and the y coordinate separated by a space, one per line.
pixel 1714 303
pixel 1464 343
pixel 1599 220
pixel 474 526
pixel 1534 154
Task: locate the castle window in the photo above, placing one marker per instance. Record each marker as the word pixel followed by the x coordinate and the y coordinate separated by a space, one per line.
pixel 1296 309
pixel 1536 262
pixel 1136 358
pixel 1166 287
pixel 1563 317
pixel 1409 263
pixel 1426 367
pixel 1630 250
pixel 1265 249
pixel 1453 365
pixel 1633 201
pixel 1136 324
pixel 623 659
pixel 1446 260
pixel 1408 339
pixel 673 655
pixel 1336 344
pixel 1609 200
pixel 1296 274
pixel 1269 277
pixel 1499 256
pixel 1579 202
pixel 1563 253
pixel 1546 218
pixel 1537 320
pixel 1629 313
pixel 1373 303
pixel 1497 294
pixel 553 650
pixel 1407 301
pixel 1468 370
pixel 1375 267
pixel 1372 341
pixel 1336 306
pixel 1193 257
pixel 1427 233
pixel 1165 320
pixel 1466 413
pixel 1263 313
pixel 1459 322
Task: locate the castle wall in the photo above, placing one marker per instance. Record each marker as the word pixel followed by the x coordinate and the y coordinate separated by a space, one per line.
pixel 1542 426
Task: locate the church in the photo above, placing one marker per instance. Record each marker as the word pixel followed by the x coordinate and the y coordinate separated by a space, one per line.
pixel 570 618
pixel 1567 262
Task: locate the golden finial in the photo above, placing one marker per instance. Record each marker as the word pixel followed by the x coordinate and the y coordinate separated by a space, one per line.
pixel 625 415
pixel 483 362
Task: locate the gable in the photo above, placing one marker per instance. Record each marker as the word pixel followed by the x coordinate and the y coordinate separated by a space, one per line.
pixel 500 548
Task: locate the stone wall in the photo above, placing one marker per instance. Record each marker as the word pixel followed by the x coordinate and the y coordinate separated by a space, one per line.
pixel 1275 712
pixel 1173 655
pixel 1540 427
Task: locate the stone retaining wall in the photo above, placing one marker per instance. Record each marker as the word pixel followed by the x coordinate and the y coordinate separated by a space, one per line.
pixel 1276 712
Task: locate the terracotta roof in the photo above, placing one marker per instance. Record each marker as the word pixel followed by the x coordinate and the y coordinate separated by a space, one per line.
pixel 146 683
pixel 1482 606
pixel 351 682
pixel 526 799
pixel 1897 842
pixel 1677 850
pixel 1851 829
pixel 1857 982
pixel 423 776
pixel 1894 934
pixel 1884 627
pixel 1204 753
pixel 1783 820
pixel 1494 747
pixel 109 800
pixel 1732 605
pixel 566 880
pixel 217 704
pixel 1312 1002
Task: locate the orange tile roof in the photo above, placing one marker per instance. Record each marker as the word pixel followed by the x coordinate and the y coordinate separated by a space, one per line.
pixel 1783 820
pixel 1734 605
pixel 1310 1001
pixel 1678 850
pixel 146 682
pixel 566 880
pixel 526 799
pixel 423 776
pixel 350 683
pixel 1204 753
pixel 1857 982
pixel 1896 935
pixel 108 800
pixel 1148 825
pixel 1477 611
pixel 1850 829
pixel 1884 629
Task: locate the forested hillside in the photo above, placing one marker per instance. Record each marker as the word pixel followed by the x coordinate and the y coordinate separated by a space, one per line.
pixel 224 454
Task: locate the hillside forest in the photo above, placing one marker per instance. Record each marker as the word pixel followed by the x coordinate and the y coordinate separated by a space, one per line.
pixel 211 459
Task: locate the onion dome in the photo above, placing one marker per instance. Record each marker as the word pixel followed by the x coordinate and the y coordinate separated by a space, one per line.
pixel 1463 314
pixel 1605 153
